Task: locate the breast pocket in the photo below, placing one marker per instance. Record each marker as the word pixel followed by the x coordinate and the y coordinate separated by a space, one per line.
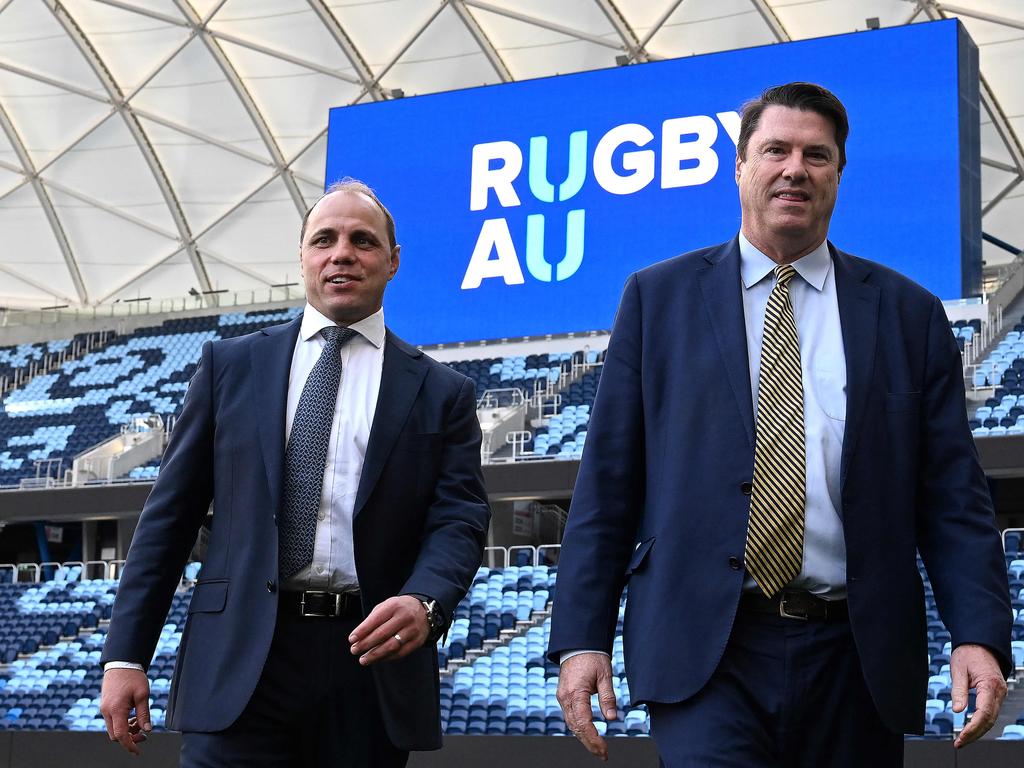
pixel 830 392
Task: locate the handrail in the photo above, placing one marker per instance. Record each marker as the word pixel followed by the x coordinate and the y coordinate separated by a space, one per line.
pixel 496 550
pixel 543 548
pixel 111 569
pixel 517 439
pixel 532 550
pixel 150 308
pixel 92 564
pixel 491 398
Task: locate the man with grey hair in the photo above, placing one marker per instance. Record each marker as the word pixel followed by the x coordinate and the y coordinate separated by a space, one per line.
pixel 349 519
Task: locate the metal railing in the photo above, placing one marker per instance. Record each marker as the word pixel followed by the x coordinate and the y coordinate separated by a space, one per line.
pixel 492 398
pixel 135 308
pixel 543 554
pixel 91 570
pixel 1011 530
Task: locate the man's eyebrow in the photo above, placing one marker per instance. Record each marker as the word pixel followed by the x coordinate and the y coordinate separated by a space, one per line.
pixel 321 231
pixel 366 233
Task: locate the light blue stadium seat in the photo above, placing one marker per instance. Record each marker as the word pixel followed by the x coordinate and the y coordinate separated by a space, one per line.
pixel 1017 648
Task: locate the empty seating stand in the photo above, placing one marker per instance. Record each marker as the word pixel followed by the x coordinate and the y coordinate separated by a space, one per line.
pixel 495 678
pixel 51 640
pixel 59 414
pixel 1002 369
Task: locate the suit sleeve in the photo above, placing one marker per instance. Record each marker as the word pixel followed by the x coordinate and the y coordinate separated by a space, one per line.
pixel 456 523
pixel 608 496
pixel 957 534
pixel 168 527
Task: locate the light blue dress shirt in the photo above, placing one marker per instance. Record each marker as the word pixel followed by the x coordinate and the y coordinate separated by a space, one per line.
pixel 823 365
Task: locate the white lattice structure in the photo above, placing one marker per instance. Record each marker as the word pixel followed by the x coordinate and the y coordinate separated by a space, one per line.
pixel 150 147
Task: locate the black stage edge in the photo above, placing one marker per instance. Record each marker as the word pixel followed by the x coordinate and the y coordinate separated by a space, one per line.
pixel 41 749
pixel 1003 456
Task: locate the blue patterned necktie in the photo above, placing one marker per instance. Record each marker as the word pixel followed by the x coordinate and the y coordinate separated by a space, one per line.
pixel 306 455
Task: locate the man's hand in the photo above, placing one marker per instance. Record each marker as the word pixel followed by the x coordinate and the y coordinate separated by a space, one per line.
pixel 974 666
pixel 123 690
pixel 579 678
pixel 394 628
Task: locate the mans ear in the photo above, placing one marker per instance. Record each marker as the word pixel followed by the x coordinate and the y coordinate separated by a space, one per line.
pixel 394 260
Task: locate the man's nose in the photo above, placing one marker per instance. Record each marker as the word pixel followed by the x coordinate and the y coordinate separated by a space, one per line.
pixel 342 253
pixel 795 168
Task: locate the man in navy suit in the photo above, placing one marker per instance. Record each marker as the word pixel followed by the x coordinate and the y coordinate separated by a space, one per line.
pixel 764 483
pixel 335 563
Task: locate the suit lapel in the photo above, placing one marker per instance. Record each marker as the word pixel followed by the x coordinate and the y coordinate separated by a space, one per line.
pixel 399 384
pixel 720 286
pixel 858 316
pixel 271 362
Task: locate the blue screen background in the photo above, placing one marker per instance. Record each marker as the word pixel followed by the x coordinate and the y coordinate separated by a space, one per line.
pixel 899 199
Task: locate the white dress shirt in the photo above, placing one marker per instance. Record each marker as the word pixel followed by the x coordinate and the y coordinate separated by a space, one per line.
pixel 362 361
pixel 333 567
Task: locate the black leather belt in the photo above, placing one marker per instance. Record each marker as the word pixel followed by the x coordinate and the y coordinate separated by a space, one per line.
pixel 796 604
pixel 312 603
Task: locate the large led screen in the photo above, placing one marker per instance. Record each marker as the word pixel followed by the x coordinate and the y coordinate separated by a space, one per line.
pixel 522 208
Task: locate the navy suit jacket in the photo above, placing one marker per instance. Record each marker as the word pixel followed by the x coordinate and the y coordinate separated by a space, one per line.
pixel 659 499
pixel 421 515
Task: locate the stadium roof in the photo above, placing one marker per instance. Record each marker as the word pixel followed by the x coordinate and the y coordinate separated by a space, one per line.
pixel 152 147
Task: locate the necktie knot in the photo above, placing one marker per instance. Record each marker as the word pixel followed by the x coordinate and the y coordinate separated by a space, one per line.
pixel 784 273
pixel 336 336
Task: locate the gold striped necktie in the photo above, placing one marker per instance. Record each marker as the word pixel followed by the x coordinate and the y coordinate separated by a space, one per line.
pixel 775 529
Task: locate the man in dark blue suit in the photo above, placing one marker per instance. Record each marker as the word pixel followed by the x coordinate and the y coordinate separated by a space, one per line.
pixel 349 516
pixel 765 480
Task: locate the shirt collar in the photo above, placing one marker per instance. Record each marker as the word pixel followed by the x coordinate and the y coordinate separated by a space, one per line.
pixel 370 328
pixel 755 266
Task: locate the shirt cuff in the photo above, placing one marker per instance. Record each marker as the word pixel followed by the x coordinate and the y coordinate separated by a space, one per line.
pixel 566 655
pixel 122 665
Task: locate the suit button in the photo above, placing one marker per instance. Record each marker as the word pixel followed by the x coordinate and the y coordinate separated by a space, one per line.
pixel 735 563
pixel 271 586
pixel 746 488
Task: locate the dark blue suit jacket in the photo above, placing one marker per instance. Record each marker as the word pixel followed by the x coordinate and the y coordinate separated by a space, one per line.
pixel 420 519
pixel 671 442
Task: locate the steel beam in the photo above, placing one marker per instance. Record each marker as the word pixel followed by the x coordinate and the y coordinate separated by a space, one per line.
pixel 544 24
pixel 352 53
pixel 625 32
pixel 471 24
pixel 656 27
pixel 190 15
pixel 235 81
pixel 115 97
pixel 28 168
pixel 980 15
pixel 768 14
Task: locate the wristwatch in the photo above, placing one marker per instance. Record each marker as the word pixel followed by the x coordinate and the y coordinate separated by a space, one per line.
pixel 435 619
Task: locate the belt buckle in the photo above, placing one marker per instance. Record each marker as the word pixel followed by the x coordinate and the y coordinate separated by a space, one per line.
pixel 315 614
pixel 784 611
